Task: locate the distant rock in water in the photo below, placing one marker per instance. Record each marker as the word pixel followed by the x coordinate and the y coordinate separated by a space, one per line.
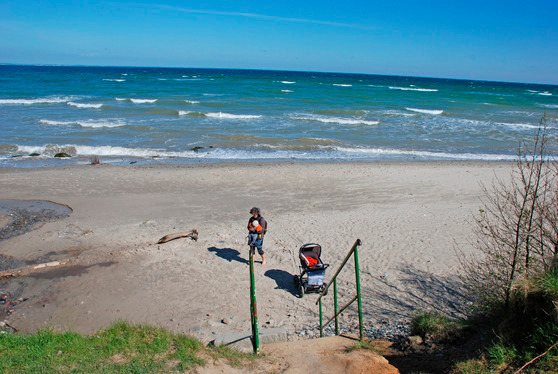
pixel 34 154
pixel 62 155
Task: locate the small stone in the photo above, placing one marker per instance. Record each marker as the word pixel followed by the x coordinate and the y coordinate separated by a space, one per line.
pixel 225 321
pixel 415 340
pixel 59 353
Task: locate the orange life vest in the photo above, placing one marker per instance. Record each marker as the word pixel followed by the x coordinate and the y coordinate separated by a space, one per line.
pixel 258 229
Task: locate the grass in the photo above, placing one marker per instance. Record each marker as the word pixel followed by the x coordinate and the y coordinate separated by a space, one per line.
pixel 122 348
pixel 434 326
pixel 363 345
pixel 549 283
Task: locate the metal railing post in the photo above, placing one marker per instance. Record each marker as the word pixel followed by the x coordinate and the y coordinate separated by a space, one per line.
pixel 335 306
pixel 254 309
pixel 321 325
pixel 359 301
pixel 357 297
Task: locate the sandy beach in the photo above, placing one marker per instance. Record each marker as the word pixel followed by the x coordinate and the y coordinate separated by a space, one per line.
pixel 409 216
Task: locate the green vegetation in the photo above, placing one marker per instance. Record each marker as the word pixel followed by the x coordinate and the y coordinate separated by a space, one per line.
pixel 363 344
pixel 525 332
pixel 122 348
pixel 514 283
pixel 436 327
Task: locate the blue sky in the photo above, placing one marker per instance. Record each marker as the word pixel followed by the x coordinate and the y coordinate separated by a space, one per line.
pixel 514 41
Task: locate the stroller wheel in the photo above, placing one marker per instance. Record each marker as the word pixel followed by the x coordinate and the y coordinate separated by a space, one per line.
pixel 300 290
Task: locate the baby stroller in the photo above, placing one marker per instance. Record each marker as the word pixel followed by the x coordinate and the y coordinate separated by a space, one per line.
pixel 312 270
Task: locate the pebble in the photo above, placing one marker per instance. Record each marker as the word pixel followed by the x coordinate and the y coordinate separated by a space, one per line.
pixel 394 331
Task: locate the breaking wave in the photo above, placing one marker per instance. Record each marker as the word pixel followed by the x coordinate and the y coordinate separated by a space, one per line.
pixel 143 101
pixel 426 111
pixel 414 89
pixel 83 105
pixel 41 100
pixel 222 115
pixel 338 120
pixel 87 123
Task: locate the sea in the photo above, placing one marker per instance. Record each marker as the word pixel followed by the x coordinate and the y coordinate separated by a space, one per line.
pixel 141 115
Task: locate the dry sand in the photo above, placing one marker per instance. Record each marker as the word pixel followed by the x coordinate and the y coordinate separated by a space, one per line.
pixel 409 217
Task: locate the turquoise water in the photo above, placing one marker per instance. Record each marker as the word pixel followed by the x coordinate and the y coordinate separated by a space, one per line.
pixel 164 115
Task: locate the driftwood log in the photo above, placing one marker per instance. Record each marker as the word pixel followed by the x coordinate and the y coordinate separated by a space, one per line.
pixel 27 269
pixel 192 234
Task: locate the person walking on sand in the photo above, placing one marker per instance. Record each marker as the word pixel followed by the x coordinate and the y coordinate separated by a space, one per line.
pixel 257 227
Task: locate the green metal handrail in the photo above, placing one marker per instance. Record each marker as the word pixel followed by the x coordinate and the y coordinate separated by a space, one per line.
pixel 254 309
pixel 354 250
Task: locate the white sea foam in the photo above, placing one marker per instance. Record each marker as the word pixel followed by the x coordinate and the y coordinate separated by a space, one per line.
pixel 41 100
pixel 192 101
pixel 518 125
pixel 56 123
pixel 338 120
pixel 342 85
pixel 286 90
pixel 414 89
pixel 107 151
pixel 426 111
pixel 428 154
pixel 222 115
pixel 184 112
pixel 143 101
pixel 114 80
pixel 121 99
pixel 287 82
pixel 546 93
pixel 550 106
pixel 102 123
pixel 87 123
pixel 396 113
pixel 83 105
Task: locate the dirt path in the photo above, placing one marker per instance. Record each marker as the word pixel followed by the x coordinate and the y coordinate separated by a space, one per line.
pixel 326 355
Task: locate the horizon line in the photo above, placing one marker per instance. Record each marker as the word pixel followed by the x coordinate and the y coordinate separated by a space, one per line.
pixel 275 70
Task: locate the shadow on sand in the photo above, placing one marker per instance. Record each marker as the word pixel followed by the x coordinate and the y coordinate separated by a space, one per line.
pixel 228 254
pixel 283 279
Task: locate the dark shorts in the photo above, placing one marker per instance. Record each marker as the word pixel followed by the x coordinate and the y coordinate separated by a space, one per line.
pixel 257 244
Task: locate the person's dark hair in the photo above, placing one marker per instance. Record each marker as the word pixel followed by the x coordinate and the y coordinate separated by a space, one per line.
pixel 255 210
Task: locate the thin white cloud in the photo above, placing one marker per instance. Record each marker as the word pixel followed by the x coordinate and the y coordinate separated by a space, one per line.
pixel 257 16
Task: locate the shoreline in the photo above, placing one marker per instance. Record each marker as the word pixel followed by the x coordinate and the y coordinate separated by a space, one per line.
pixel 209 163
pixel 409 215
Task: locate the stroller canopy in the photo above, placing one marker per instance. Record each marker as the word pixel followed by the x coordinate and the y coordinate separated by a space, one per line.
pixel 312 251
